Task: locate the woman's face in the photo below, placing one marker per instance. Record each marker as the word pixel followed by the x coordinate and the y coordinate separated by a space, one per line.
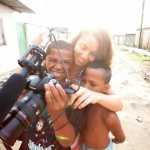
pixel 85 49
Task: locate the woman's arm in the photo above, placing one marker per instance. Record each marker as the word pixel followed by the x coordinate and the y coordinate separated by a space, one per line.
pixel 56 100
pixel 112 101
pixel 84 97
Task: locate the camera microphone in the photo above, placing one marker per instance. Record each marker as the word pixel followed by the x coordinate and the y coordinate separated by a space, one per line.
pixel 9 93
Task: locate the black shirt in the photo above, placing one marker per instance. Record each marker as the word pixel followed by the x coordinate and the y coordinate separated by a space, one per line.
pixel 40 135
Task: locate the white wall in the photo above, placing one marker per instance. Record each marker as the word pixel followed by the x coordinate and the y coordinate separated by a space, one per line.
pixel 10 52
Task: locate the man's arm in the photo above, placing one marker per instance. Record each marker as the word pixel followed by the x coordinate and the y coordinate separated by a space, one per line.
pixel 64 131
pixel 56 100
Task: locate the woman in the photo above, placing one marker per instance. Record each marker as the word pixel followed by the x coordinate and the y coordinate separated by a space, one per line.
pixel 89 46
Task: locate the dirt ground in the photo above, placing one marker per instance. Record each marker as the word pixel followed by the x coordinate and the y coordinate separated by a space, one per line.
pixel 128 80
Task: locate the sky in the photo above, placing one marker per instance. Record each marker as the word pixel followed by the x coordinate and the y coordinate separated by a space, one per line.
pixel 118 16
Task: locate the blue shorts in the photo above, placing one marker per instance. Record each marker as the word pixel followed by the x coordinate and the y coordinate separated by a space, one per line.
pixel 109 147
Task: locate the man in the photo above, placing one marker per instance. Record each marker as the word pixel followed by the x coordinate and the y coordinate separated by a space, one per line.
pixel 53 132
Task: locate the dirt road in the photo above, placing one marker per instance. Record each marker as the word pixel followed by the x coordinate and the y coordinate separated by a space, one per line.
pixel 128 80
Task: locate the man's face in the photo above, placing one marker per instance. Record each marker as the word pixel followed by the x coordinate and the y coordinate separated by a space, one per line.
pixel 94 80
pixel 55 65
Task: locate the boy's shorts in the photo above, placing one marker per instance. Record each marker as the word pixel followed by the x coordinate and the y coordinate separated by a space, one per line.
pixel 109 147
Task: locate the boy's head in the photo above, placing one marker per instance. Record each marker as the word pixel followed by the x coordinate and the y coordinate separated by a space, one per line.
pixel 97 77
pixel 59 58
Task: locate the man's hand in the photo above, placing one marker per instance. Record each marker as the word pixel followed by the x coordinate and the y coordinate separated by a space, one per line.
pixel 55 97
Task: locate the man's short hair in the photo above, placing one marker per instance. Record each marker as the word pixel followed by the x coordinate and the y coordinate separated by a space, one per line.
pixel 60 44
pixel 107 69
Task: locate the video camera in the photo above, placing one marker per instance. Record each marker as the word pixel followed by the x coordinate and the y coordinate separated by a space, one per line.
pixel 31 104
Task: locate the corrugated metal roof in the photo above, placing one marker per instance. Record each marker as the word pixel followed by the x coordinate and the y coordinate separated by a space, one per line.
pixel 16 5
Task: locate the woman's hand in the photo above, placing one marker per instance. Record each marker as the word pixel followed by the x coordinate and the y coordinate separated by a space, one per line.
pixel 83 97
pixel 55 97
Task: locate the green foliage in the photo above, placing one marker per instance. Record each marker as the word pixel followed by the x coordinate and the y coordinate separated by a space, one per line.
pixel 136 57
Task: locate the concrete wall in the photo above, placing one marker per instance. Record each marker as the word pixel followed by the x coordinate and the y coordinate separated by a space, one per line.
pixel 119 39
pixel 9 53
pixel 145 38
pixel 130 40
pixel 127 39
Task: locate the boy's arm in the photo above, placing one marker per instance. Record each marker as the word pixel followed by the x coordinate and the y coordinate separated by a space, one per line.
pixel 114 125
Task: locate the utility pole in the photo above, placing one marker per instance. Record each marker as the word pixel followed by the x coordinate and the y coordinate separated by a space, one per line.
pixel 141 26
